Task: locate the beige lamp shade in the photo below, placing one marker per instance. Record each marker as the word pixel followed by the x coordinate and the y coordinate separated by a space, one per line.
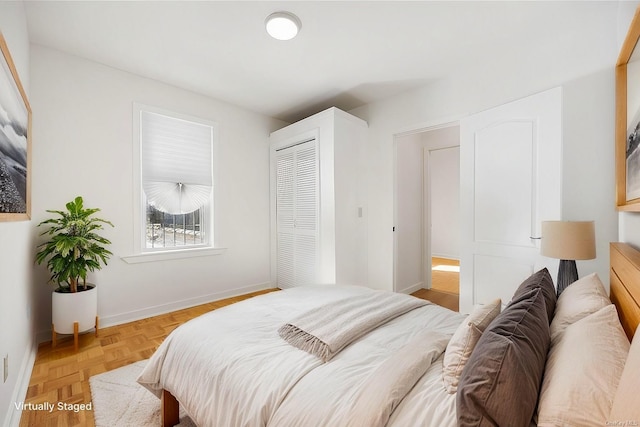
pixel 570 240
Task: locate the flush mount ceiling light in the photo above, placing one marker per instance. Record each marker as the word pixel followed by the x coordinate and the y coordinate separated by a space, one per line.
pixel 283 25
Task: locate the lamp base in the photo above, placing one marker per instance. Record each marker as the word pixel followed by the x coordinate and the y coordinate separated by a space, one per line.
pixel 567 274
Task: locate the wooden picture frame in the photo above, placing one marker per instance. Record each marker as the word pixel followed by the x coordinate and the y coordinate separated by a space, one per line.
pixel 628 101
pixel 15 142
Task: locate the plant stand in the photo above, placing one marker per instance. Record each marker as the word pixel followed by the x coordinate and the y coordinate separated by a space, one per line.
pixel 54 341
pixel 74 313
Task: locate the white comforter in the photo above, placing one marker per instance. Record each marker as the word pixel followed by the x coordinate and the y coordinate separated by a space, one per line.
pixel 230 367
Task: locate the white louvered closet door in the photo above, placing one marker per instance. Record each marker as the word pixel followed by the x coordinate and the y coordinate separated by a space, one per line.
pixel 297 214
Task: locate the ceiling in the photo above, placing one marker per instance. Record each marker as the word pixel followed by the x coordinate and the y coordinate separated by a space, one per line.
pixel 347 54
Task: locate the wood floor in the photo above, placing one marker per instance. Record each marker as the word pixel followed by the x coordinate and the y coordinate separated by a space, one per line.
pixel 444 299
pixel 445 275
pixel 62 375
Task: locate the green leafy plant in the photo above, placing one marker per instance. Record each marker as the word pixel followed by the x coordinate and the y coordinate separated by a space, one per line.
pixel 74 247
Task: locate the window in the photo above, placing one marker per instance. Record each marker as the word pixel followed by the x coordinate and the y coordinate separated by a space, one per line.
pixel 167 230
pixel 176 181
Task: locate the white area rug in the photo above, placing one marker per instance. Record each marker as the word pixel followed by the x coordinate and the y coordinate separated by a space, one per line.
pixel 119 401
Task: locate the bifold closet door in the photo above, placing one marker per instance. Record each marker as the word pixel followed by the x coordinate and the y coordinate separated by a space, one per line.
pixel 297 214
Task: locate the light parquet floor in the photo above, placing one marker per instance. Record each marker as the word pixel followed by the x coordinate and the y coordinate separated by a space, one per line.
pixel 62 374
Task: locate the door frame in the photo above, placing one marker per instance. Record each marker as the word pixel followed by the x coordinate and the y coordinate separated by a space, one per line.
pixel 426 200
pixel 427 205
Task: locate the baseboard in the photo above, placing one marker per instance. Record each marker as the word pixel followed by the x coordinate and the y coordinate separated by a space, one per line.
pixel 446 256
pixel 118 319
pixel 12 419
pixel 132 316
pixel 43 336
pixel 411 289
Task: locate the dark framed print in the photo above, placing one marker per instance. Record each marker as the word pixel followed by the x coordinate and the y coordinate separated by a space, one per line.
pixel 15 142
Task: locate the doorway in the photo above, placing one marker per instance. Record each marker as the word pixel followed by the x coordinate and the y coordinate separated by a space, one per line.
pixel 442 192
pixel 426 209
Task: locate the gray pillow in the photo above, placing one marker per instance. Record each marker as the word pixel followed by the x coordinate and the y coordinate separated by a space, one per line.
pixel 541 279
pixel 500 383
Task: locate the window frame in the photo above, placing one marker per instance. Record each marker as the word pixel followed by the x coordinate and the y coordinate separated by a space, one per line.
pixel 140 252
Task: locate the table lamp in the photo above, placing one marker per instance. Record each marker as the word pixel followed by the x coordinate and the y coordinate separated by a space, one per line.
pixel 568 241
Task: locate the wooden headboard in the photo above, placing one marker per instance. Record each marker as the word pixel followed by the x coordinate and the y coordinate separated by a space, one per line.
pixel 625 285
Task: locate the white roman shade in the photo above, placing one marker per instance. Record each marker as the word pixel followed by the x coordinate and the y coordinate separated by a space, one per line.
pixel 176 163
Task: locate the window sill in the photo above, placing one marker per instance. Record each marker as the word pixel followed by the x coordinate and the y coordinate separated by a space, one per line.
pixel 168 255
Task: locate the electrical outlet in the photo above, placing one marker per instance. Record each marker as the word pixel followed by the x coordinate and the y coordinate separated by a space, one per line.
pixel 6 367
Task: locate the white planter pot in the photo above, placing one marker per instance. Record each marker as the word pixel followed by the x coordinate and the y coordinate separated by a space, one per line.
pixel 68 308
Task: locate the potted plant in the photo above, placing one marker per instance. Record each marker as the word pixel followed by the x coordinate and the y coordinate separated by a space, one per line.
pixel 73 249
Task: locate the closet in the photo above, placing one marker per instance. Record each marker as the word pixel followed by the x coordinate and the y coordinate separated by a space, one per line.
pixel 297 213
pixel 318 201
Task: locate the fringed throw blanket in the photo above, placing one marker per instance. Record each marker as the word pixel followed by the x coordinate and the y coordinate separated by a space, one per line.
pixel 326 330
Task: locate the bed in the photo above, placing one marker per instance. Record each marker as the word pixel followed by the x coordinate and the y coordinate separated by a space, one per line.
pixel 239 366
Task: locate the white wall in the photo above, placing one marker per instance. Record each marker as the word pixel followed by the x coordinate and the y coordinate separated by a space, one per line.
pixel 589 127
pixel 444 181
pixel 588 116
pixel 409 216
pixel 16 254
pixel 83 146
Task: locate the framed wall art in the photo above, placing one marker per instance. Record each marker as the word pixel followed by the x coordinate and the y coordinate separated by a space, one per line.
pixel 628 120
pixel 15 142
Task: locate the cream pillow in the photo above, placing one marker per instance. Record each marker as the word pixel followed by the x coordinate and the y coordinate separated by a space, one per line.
pixel 582 372
pixel 625 405
pixel 464 340
pixel 578 300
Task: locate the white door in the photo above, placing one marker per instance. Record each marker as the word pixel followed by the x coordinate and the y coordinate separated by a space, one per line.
pixel 510 181
pixel 297 214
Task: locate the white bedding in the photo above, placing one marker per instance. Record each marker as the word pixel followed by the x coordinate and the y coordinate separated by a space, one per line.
pixel 230 367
